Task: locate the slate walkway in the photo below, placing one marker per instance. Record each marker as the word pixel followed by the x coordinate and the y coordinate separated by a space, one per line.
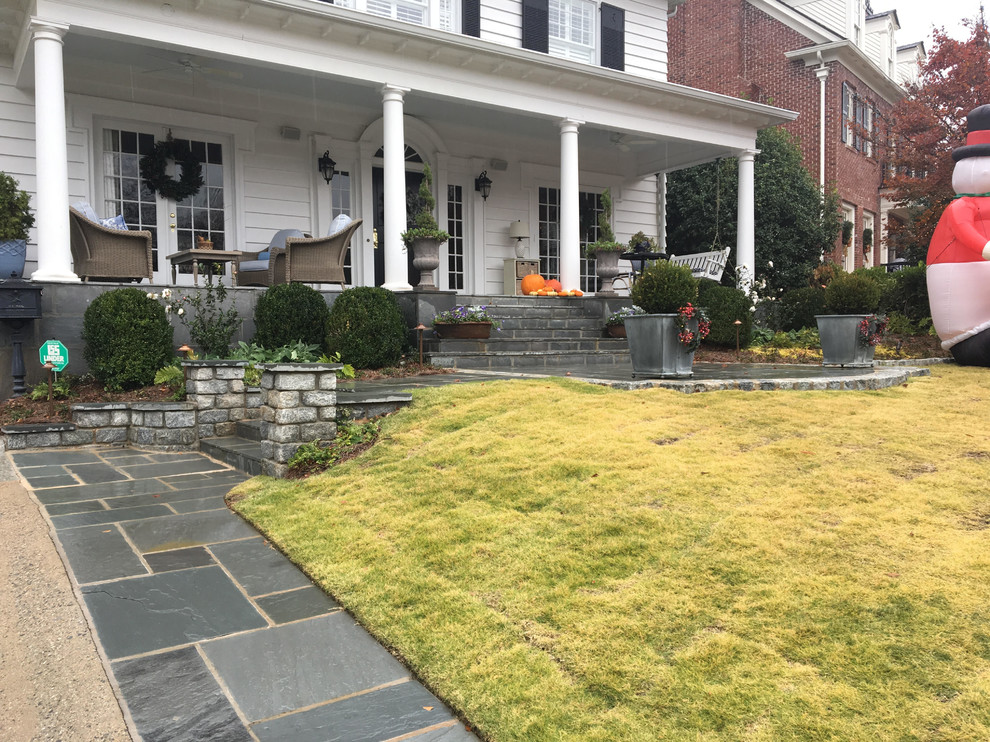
pixel 210 633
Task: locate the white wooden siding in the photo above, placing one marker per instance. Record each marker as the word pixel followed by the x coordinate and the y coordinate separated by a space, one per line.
pixel 637 210
pixel 501 22
pixel 830 13
pixel 646 38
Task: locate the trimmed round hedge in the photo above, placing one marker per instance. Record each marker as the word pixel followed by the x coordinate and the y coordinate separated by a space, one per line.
pixel 366 328
pixel 724 305
pixel 289 313
pixel 127 338
pixel 664 288
pixel 852 293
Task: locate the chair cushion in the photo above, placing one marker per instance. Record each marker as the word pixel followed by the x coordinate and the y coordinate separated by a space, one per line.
pixel 340 222
pixel 84 208
pixel 262 255
pixel 115 222
pixel 252 265
pixel 281 235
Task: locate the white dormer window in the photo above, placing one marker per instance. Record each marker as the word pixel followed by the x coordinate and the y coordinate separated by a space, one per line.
pixel 572 29
pixel 857 22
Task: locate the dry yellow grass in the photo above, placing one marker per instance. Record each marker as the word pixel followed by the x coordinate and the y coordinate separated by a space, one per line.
pixel 566 562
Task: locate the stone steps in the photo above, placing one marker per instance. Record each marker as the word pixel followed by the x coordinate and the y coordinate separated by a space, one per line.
pixel 537 333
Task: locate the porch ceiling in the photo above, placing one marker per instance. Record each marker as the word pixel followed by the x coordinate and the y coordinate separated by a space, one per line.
pixel 316 53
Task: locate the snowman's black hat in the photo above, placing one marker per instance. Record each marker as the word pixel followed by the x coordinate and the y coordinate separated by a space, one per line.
pixel 978 138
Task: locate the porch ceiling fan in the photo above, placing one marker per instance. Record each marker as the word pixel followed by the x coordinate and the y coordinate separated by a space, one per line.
pixel 190 65
pixel 625 142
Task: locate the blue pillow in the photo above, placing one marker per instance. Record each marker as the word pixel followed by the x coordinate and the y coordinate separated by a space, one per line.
pixel 84 208
pixel 262 255
pixel 115 222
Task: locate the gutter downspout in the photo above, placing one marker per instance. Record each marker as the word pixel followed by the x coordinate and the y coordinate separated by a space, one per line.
pixel 821 73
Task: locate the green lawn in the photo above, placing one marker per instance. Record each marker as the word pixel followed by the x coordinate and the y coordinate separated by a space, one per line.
pixel 561 561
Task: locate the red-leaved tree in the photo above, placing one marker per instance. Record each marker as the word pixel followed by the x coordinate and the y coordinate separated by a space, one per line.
pixel 931 122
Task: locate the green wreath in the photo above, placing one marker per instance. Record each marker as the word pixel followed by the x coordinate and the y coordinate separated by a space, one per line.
pixel 155 163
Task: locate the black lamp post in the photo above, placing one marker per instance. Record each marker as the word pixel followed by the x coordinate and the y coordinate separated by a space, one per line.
pixel 483 184
pixel 326 166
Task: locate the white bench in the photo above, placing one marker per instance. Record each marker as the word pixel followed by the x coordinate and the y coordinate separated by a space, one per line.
pixel 704 264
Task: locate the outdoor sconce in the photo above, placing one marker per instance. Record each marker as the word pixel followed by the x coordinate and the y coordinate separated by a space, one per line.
pixel 519 231
pixel 483 184
pixel 326 166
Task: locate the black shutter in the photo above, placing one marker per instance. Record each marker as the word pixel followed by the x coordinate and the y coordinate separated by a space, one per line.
pixel 613 37
pixel 471 17
pixel 536 25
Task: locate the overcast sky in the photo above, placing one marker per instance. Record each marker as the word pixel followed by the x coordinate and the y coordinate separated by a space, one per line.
pixel 917 17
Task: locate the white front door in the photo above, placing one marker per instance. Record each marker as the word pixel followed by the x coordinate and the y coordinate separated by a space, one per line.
pixel 174 225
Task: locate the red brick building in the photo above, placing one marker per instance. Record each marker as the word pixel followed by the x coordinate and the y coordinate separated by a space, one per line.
pixel 835 62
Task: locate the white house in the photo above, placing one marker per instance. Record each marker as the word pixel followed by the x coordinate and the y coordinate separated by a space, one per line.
pixel 555 100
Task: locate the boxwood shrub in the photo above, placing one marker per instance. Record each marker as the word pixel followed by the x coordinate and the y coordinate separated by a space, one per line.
pixel 725 305
pixel 799 307
pixel 127 338
pixel 852 293
pixel 290 313
pixel 366 328
pixel 664 288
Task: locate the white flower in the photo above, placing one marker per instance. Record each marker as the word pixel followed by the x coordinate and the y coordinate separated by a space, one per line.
pixel 752 309
pixel 167 309
pixel 769 264
pixel 181 311
pixel 150 295
pixel 166 293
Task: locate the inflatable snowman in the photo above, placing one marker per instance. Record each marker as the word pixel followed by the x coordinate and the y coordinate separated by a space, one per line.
pixel 959 253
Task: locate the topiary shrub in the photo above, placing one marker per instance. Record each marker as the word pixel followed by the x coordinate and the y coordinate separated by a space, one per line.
pixel 127 338
pixel 366 328
pixel 799 307
pixel 725 305
pixel 664 288
pixel 290 313
pixel 852 293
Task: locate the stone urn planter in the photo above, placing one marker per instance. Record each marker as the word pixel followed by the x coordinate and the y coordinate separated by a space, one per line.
pixel 426 259
pixel 464 330
pixel 654 347
pixel 841 340
pixel 607 268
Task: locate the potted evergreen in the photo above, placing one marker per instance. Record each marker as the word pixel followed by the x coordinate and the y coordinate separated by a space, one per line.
pixel 605 251
pixel 15 221
pixel 425 236
pixel 662 341
pixel 851 330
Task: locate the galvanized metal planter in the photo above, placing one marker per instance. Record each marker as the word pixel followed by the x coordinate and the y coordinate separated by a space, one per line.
pixel 840 340
pixel 654 348
pixel 12 254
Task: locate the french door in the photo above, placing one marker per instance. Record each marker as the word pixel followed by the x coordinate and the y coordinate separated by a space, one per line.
pixel 174 225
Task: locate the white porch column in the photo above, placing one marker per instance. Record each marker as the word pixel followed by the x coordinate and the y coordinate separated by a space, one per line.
pixel 396 265
pixel 51 156
pixel 822 74
pixel 662 212
pixel 570 205
pixel 746 229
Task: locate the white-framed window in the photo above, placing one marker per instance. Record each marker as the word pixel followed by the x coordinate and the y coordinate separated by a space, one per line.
pixel 857 121
pixel 869 232
pixel 433 13
pixel 572 29
pixel 849 250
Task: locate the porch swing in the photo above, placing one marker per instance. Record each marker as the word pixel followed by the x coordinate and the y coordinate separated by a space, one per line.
pixel 709 264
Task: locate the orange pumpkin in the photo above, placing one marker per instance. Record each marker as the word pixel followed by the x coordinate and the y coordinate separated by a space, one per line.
pixel 555 285
pixel 532 282
pixel 541 292
pixel 577 292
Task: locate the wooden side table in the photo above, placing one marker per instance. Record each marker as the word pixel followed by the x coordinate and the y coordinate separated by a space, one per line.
pixel 207 256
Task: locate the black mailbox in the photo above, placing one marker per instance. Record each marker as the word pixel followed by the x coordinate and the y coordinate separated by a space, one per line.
pixel 19 299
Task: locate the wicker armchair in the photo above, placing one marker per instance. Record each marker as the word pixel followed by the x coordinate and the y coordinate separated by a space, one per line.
pixel 303 260
pixel 103 254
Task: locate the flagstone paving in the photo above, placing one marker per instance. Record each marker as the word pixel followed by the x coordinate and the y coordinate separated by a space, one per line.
pixel 209 632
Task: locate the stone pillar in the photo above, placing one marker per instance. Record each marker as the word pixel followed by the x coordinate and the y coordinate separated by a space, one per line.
pixel 396 267
pixel 570 205
pixel 746 234
pixel 216 388
pixel 51 155
pixel 298 405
